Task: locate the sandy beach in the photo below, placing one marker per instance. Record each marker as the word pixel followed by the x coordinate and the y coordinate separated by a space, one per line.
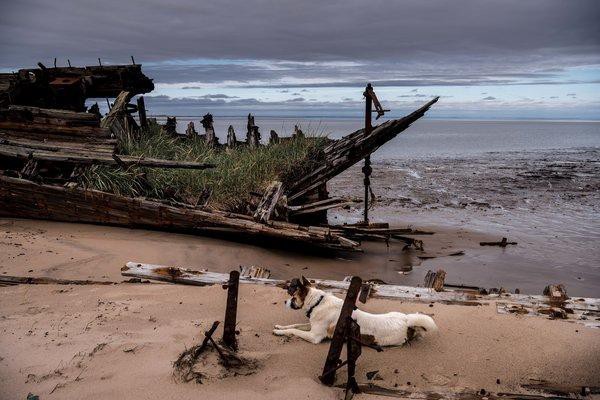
pixel 119 341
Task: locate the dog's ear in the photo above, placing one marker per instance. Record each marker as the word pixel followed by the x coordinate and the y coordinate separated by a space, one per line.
pixel 305 282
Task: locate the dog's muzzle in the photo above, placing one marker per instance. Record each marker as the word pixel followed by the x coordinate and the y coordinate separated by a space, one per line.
pixel 292 304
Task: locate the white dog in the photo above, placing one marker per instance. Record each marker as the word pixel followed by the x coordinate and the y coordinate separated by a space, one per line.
pixel 323 310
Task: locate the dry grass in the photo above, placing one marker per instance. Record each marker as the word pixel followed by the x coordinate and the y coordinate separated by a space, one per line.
pixel 238 172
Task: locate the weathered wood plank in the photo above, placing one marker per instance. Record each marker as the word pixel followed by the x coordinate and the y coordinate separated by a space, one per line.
pixel 23 198
pixel 91 157
pixel 580 305
pixel 268 202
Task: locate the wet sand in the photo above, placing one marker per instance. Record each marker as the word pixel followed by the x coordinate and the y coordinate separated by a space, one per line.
pixel 548 202
pixel 62 250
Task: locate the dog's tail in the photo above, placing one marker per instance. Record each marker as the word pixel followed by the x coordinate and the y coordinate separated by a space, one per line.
pixel 425 322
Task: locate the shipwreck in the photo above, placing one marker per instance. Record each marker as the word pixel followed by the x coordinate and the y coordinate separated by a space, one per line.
pixel 49 139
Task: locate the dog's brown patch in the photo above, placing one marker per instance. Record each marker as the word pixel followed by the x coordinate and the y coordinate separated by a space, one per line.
pixel 330 330
pixel 368 339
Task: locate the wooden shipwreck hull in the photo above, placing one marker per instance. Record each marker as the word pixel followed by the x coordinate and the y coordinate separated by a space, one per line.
pixel 46 142
pixel 27 199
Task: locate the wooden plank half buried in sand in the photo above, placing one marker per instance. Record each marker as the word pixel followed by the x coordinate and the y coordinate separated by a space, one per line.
pixel 584 309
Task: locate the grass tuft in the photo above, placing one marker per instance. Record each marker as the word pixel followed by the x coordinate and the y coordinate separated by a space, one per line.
pixel 238 172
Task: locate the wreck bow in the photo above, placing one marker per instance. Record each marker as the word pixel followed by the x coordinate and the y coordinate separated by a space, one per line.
pixel 341 154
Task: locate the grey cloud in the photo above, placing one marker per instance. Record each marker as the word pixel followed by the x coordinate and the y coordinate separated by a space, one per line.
pixel 489 98
pixel 495 37
pixel 218 96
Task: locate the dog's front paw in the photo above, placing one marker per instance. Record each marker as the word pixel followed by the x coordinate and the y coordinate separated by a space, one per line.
pixel 279 332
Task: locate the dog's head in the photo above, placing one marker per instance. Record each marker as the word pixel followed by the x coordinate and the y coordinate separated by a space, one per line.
pixel 298 289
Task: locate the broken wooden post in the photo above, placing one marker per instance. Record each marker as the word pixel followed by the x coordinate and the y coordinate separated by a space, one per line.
pixel 190 131
pixel 353 351
pixel 231 310
pixel 297 132
pixel 254 138
pixel 142 112
pixel 207 123
pixel 273 138
pixel 337 341
pixel 249 128
pixel 268 202
pixel 170 126
pixel 435 280
pixel 231 139
pixel 253 272
pixel 365 292
pixel 556 293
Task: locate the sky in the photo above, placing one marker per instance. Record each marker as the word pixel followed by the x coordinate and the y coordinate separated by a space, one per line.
pixel 486 59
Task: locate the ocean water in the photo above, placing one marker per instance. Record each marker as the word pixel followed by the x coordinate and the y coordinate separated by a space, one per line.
pixel 430 137
pixel 535 182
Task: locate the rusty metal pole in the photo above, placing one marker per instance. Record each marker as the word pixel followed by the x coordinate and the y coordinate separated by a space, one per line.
pixel 367 167
pixel 231 310
pixel 337 341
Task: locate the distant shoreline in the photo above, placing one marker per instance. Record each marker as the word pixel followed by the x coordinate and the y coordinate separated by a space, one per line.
pixel 322 117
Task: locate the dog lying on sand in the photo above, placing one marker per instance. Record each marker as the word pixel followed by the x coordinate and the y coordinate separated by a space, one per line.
pixel 323 310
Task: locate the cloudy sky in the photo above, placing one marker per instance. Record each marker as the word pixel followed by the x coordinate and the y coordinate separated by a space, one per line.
pixel 485 58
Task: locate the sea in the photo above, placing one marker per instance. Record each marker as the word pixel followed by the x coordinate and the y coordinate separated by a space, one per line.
pixel 534 182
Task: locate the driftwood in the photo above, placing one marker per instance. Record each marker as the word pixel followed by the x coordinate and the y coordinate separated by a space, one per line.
pixel 6 280
pixel 503 243
pixel 341 154
pixel 26 199
pixel 584 310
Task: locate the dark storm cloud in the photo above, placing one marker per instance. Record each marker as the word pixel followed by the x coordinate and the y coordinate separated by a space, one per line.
pixel 437 42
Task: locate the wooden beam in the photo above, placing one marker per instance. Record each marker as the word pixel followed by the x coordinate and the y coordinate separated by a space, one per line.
pixel 339 334
pixel 26 199
pixel 90 157
pixel 231 310
pixel 584 310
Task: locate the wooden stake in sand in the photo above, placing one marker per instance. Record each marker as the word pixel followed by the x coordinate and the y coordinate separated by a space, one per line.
pixel 231 310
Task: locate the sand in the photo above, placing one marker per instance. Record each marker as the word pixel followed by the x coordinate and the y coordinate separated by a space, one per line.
pixel 119 341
